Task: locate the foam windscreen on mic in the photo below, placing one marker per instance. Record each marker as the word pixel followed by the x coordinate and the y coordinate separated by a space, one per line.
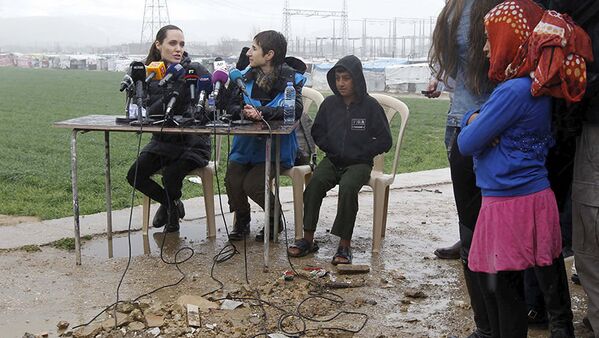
pixel 173 72
pixel 155 71
pixel 236 76
pixel 219 76
pixel 137 71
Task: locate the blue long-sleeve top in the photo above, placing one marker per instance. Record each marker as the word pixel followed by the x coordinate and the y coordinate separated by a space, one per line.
pixel 515 166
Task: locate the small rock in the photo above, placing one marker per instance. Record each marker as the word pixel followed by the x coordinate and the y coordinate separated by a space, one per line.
pixel 28 335
pixel 88 331
pixel 136 316
pixel 125 307
pixel 122 319
pixel 371 302
pixel 154 331
pixel 62 325
pixel 136 326
pixel 415 294
pixel 154 320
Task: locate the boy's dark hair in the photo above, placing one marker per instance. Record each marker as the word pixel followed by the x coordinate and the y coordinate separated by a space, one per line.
pixel 341 69
pixel 275 41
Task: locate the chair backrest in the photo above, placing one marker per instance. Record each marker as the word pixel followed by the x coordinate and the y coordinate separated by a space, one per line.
pixel 310 96
pixel 392 106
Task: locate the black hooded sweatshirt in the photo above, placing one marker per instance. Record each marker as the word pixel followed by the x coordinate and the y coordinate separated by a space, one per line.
pixel 352 134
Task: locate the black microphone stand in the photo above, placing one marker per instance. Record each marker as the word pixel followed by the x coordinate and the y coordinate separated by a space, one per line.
pixel 169 116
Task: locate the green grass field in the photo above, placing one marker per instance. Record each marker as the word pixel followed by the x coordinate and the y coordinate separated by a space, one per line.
pixel 35 172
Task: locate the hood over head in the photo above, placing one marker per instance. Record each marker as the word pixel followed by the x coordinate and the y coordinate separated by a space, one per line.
pixel 354 66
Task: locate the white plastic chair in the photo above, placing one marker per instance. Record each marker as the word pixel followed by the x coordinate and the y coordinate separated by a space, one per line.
pixel 379 180
pixel 206 175
pixel 300 175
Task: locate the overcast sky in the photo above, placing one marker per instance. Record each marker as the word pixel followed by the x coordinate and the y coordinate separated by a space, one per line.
pixel 102 22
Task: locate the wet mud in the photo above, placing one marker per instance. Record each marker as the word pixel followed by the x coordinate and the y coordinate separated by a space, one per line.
pixel 407 293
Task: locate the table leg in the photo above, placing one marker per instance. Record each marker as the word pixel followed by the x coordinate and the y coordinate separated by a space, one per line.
pixel 267 201
pixel 277 208
pixel 75 196
pixel 108 186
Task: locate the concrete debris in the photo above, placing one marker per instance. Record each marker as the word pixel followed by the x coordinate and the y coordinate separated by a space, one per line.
pixel 228 304
pixel 88 331
pixel 202 303
pixel 154 321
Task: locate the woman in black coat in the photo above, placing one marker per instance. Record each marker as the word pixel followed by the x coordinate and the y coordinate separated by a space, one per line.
pixel 175 154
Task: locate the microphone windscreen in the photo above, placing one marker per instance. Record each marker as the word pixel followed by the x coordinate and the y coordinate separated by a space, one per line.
pixel 158 68
pixel 137 71
pixel 219 76
pixel 235 74
pixel 205 83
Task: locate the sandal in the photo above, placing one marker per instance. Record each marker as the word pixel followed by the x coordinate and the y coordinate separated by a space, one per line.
pixel 343 252
pixel 304 246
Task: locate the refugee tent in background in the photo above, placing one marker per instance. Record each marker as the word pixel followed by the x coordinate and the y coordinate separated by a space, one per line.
pixel 7 60
pixel 407 78
pixel 374 74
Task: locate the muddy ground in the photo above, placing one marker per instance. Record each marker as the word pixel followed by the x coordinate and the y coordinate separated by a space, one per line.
pixel 408 292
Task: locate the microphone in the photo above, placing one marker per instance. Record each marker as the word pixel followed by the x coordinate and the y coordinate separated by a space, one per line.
pixel 155 71
pixel 138 75
pixel 127 82
pixel 174 71
pixel 191 79
pixel 219 78
pixel 169 106
pixel 204 87
pixel 236 76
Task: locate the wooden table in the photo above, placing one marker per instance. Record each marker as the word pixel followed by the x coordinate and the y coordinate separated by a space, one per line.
pixel 107 124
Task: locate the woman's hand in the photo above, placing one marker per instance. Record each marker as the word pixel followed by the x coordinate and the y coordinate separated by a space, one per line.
pixel 252 113
pixel 431 90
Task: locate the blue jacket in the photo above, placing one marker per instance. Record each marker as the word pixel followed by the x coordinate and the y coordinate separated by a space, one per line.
pixel 516 166
pixel 250 149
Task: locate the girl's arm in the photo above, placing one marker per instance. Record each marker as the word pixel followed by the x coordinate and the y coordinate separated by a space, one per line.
pixel 502 110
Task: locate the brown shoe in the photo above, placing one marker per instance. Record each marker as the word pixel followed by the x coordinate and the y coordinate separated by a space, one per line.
pixel 452 252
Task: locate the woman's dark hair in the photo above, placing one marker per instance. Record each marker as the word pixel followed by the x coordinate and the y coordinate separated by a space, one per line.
pixel 154 53
pixel 443 57
pixel 275 41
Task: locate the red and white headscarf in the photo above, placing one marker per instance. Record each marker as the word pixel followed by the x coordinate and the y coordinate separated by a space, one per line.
pixel 528 41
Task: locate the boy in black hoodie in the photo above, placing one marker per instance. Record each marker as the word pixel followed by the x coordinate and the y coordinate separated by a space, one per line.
pixel 351 128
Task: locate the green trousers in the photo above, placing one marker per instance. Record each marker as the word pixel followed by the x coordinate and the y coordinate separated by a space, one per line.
pixel 326 176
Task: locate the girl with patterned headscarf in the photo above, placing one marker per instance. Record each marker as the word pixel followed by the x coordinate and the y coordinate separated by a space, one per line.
pixel 518 224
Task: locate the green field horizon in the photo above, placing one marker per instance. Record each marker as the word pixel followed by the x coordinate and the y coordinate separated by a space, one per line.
pixel 35 172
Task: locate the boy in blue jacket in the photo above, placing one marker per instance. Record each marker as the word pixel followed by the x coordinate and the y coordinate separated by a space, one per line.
pixel 351 128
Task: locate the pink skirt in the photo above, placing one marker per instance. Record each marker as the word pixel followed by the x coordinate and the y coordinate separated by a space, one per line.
pixel 516 233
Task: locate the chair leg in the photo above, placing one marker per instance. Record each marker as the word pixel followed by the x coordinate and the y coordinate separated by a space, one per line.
pixel 145 224
pixel 208 190
pixel 298 205
pixel 385 210
pixel 377 226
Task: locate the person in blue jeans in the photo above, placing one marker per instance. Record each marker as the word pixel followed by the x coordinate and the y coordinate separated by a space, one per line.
pixel 457 59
